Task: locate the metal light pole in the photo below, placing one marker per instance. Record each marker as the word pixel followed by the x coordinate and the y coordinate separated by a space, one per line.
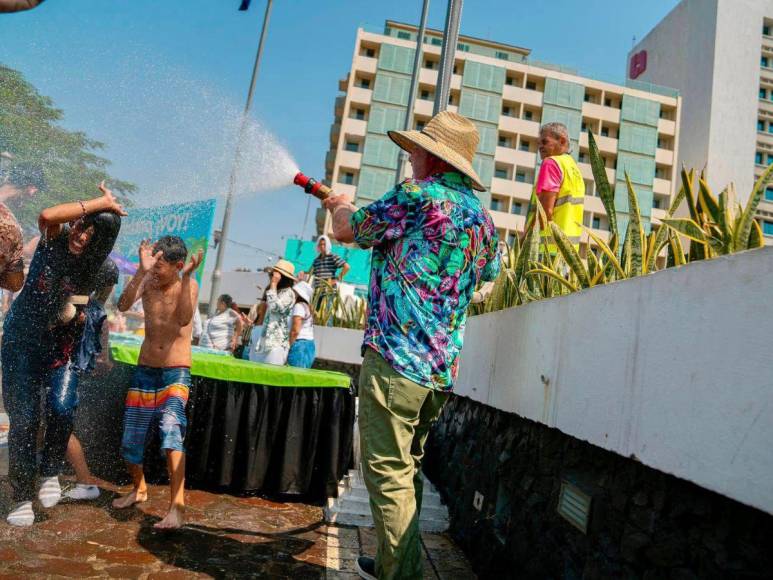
pixel 403 158
pixel 217 274
pixel 450 40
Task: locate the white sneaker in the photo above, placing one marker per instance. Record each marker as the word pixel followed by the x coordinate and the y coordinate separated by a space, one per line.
pixel 82 491
pixel 21 515
pixel 50 491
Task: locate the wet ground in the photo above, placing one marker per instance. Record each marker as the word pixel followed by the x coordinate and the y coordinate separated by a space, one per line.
pixel 226 537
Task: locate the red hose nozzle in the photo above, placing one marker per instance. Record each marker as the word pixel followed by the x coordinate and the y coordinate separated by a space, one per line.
pixel 312 186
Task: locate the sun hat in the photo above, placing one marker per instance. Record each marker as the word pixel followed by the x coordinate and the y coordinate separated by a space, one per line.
pixel 304 290
pixel 448 136
pixel 285 268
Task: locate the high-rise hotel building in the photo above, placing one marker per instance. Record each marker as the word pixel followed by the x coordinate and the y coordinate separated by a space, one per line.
pixel 508 97
pixel 719 54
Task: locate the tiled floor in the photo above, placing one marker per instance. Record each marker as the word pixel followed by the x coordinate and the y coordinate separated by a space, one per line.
pixel 226 537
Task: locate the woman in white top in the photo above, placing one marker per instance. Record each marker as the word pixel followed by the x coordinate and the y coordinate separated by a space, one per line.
pixel 222 330
pixel 280 299
pixel 302 350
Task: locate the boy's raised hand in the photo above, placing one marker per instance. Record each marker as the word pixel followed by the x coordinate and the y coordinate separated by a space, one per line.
pixel 109 200
pixel 193 263
pixel 148 258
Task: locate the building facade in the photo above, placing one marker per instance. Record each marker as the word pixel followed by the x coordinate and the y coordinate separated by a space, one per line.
pixel 508 97
pixel 719 55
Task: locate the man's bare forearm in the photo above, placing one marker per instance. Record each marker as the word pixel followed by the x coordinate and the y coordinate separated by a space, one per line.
pixel 342 226
pixel 185 303
pixel 129 294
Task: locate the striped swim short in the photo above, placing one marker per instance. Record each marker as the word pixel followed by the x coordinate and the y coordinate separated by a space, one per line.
pixel 156 397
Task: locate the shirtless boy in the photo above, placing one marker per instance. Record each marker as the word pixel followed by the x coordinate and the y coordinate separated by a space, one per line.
pixel 159 390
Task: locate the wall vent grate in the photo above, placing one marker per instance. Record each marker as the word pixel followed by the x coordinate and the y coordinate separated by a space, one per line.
pixel 574 506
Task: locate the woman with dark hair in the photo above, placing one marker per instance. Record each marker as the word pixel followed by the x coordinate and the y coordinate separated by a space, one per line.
pixel 41 334
pixel 222 330
pixel 280 299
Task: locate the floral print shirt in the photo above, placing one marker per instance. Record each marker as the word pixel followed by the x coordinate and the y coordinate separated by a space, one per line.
pixel 276 332
pixel 433 242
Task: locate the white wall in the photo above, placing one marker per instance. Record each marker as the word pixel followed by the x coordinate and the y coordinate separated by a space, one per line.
pixel 673 368
pixel 338 344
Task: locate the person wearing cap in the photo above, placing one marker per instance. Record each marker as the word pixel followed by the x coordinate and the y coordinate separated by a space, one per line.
pixel 433 243
pixel 280 299
pixel 560 187
pixel 326 264
pixel 302 349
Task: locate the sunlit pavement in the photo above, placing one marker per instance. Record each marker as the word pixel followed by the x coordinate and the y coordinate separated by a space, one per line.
pixel 225 537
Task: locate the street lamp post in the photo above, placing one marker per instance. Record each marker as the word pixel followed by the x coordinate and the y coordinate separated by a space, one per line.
pixel 450 40
pixel 403 159
pixel 217 273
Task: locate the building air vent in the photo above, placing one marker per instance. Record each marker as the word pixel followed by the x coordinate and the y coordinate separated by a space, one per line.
pixel 574 506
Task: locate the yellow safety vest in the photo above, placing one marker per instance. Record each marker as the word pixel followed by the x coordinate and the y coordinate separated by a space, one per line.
pixel 568 210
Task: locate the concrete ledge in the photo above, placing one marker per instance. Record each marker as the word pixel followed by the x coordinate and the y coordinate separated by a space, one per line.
pixel 338 344
pixel 673 369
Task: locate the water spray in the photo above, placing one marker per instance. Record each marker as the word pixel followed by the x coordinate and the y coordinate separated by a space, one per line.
pixel 312 186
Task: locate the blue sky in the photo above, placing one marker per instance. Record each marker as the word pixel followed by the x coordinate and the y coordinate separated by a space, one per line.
pixel 158 80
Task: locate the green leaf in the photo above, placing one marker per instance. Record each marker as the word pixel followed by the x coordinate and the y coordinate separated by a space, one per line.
pixel 743 231
pixel 554 276
pixel 687 185
pixel 593 265
pixel 661 239
pixel 636 230
pixel 755 236
pixel 687 228
pixel 679 197
pixel 571 257
pixel 707 202
pixel 612 259
pixel 606 193
pixel 676 250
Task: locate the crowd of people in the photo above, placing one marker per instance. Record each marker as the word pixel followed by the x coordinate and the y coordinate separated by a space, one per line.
pixel 434 247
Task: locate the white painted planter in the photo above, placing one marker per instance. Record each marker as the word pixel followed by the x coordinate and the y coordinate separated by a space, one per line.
pixel 675 369
pixel 338 344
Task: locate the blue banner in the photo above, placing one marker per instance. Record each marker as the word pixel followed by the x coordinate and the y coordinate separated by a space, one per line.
pixel 190 221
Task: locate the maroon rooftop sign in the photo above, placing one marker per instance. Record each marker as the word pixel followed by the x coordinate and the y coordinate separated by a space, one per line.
pixel 638 64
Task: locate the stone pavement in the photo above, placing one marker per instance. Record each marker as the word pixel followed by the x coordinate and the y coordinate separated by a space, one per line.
pixel 226 537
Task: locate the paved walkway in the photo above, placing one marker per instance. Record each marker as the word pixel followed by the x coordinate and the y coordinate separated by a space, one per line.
pixel 226 537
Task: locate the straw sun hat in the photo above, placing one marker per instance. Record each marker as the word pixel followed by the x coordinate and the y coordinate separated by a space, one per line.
pixel 448 136
pixel 285 268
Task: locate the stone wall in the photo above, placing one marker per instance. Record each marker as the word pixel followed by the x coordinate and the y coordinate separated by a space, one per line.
pixel 643 523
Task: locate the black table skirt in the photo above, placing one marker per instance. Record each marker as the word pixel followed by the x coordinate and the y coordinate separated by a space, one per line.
pixel 241 437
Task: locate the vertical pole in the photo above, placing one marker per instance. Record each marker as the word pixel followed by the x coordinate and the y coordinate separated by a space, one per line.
pixel 403 158
pixel 450 40
pixel 217 273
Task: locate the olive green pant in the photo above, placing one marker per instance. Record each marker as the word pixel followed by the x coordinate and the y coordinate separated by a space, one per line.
pixel 395 415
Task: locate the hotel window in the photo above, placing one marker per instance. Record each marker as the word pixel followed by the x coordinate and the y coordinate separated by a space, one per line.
pixel 507 111
pixel 456 69
pixel 352 146
pixel 420 125
pixel 764 61
pixel 463 47
pixel 430 64
pixel 510 239
pixel 524 145
pixel 348 178
pixel 500 173
pixel 584 127
pixel 769 194
pixel 760 125
pixel 369 52
pixel 531 85
pixel 509 81
pixel 767 228
pixel 596 224
pixel 607 102
pixel 404 35
pixel 516 208
pixel 364 83
pixel 766 30
pixel 520 176
pixel 770 127
pixel 758 158
pixel 605 132
pixel 436 41
pixel 528 115
pixel 503 142
pixel 763 93
pixel 424 95
pixel 359 114
pixel 656 203
pixel 582 158
pixel 496 205
pixel 502 55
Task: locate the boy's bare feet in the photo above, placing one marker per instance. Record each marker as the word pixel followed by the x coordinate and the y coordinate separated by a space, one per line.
pixel 173 520
pixel 131 498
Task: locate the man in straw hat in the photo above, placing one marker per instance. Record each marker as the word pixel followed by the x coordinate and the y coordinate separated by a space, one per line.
pixel 433 242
